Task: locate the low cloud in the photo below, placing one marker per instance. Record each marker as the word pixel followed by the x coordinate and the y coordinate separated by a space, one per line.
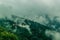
pixel 29 8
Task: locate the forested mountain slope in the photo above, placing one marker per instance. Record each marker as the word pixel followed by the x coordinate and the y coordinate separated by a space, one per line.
pixel 25 29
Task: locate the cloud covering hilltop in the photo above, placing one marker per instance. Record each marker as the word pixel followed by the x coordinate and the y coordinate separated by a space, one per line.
pixel 29 8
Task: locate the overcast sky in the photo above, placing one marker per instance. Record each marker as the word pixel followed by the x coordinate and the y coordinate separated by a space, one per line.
pixel 29 8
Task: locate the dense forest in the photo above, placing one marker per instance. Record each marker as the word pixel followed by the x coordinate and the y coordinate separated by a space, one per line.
pixel 17 28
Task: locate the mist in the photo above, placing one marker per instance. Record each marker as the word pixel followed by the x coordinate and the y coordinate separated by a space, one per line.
pixel 29 8
pixel 32 9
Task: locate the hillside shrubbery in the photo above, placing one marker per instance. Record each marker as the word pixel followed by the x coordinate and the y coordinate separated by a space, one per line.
pixel 5 35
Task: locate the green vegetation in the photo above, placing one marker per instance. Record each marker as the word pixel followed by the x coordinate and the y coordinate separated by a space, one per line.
pixel 10 29
pixel 5 35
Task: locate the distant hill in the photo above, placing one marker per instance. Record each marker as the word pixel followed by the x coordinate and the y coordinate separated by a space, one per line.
pixel 25 28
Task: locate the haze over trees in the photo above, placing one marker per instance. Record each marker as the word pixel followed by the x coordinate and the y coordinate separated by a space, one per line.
pixel 19 28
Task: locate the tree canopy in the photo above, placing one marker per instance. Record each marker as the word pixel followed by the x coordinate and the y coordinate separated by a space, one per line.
pixel 5 35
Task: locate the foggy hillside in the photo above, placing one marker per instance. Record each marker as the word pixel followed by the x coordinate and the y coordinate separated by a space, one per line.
pixel 30 19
